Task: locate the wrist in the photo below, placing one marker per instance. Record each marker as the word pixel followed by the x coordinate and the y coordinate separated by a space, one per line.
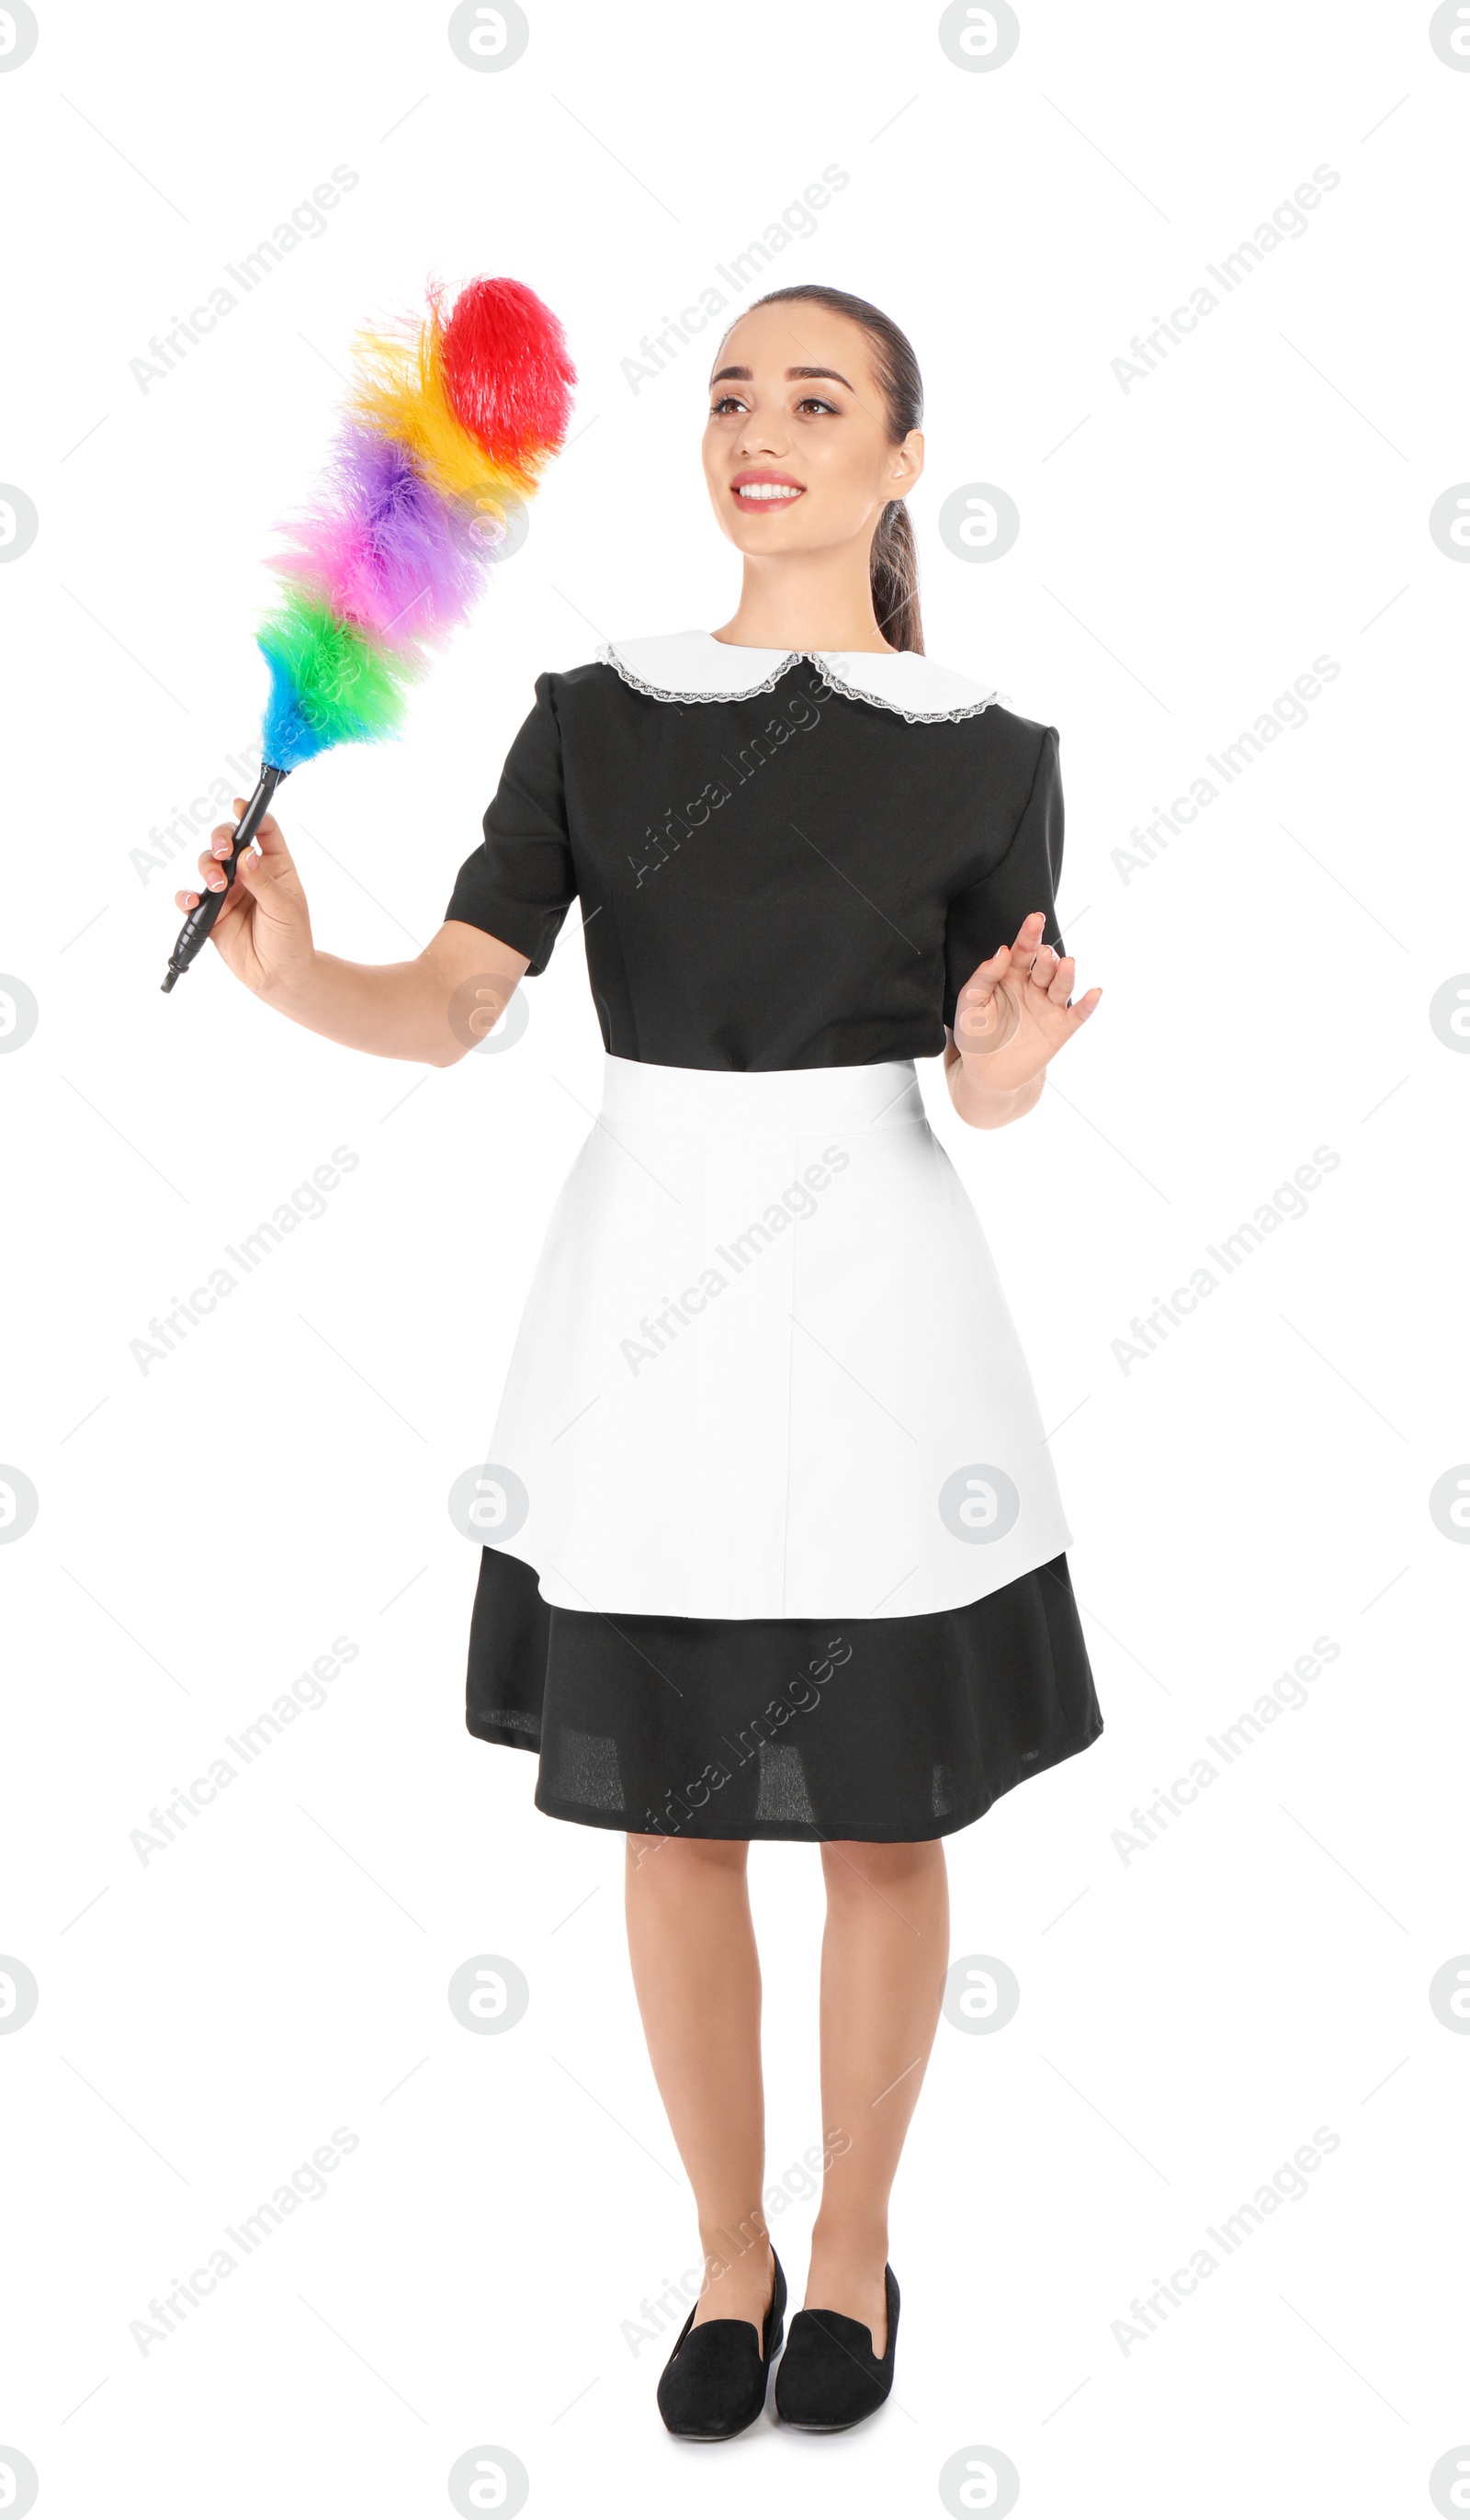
pixel 984 1102
pixel 294 990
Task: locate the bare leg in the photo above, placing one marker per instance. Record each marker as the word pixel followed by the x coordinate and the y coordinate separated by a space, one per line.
pixel 883 1960
pixel 691 1944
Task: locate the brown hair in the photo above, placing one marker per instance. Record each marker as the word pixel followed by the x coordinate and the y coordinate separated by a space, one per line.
pixel 893 565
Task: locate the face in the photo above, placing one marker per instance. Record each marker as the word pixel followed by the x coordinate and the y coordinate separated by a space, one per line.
pixel 797 454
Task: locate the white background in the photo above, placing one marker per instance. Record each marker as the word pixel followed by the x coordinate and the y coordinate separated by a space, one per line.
pixel 1190 2016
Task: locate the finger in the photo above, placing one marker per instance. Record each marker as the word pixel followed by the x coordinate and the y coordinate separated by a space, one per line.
pixel 211 879
pixel 210 869
pixel 976 1009
pixel 221 845
pixel 270 839
pixel 1060 989
pixel 986 976
pixel 1086 1006
pixel 1028 939
pixel 985 1022
pixel 1044 969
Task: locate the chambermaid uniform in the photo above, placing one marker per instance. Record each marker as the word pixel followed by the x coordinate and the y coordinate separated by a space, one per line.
pixel 775 1548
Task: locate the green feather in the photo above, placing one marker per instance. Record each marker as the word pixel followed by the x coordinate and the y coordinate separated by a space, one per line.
pixel 329 683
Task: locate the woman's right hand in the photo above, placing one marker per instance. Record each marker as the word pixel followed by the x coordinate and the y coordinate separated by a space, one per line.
pixel 431 1009
pixel 263 928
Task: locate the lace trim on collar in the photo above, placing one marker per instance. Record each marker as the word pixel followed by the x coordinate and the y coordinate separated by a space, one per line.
pixel 910 717
pixel 609 655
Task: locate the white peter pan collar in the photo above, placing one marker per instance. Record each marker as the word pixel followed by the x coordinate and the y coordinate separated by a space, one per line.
pixel 695 665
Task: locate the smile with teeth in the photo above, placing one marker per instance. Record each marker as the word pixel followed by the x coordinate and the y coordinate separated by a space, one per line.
pixel 767 490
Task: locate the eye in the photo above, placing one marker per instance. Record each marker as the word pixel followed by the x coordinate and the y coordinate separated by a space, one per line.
pixel 727 402
pixel 816 402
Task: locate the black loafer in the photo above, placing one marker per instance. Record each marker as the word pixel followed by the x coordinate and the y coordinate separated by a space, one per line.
pixel 830 2375
pixel 714 2382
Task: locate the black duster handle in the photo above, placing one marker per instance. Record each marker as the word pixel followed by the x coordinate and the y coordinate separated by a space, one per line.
pixel 198 923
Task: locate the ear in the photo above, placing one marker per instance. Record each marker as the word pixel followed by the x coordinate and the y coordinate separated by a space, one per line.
pixel 907 464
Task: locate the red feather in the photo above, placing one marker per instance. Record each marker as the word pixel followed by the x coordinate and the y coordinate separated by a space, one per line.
pixel 508 371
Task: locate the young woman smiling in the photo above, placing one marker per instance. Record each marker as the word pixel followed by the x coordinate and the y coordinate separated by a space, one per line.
pixel 794 1567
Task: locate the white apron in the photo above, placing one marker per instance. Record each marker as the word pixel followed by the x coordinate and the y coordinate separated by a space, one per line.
pixel 766 1370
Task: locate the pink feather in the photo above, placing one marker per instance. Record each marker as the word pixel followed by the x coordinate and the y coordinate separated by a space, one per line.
pixel 383 551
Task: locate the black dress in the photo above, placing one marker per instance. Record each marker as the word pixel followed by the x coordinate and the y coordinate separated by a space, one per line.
pixel 784 864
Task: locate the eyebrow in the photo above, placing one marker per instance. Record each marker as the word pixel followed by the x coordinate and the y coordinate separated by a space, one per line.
pixel 743 375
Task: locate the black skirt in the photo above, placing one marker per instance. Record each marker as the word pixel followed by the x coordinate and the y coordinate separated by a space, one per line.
pixel 889 1731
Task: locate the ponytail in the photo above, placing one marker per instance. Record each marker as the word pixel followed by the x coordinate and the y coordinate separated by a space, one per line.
pixel 893 575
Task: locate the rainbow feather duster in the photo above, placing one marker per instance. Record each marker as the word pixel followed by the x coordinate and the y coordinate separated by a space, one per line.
pixel 450 423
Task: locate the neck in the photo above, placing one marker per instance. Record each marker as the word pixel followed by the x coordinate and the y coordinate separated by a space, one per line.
pixel 812 600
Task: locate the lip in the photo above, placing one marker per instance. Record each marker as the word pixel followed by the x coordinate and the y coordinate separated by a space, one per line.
pixel 753 474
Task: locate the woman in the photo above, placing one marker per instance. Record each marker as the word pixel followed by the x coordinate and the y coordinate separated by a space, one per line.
pixel 779 1552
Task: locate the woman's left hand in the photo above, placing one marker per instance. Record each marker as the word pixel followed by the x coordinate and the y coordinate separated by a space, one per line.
pixel 1013 1013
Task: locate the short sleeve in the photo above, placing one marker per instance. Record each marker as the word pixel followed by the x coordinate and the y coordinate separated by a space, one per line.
pixel 519 883
pixel 987 915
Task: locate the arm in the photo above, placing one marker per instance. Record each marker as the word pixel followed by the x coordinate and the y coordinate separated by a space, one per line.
pixel 1012 1008
pixel 431 1011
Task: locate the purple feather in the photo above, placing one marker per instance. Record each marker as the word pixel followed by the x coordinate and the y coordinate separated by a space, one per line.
pixel 383 551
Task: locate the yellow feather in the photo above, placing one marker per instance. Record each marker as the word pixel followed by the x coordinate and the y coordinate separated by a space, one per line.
pixel 398 391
